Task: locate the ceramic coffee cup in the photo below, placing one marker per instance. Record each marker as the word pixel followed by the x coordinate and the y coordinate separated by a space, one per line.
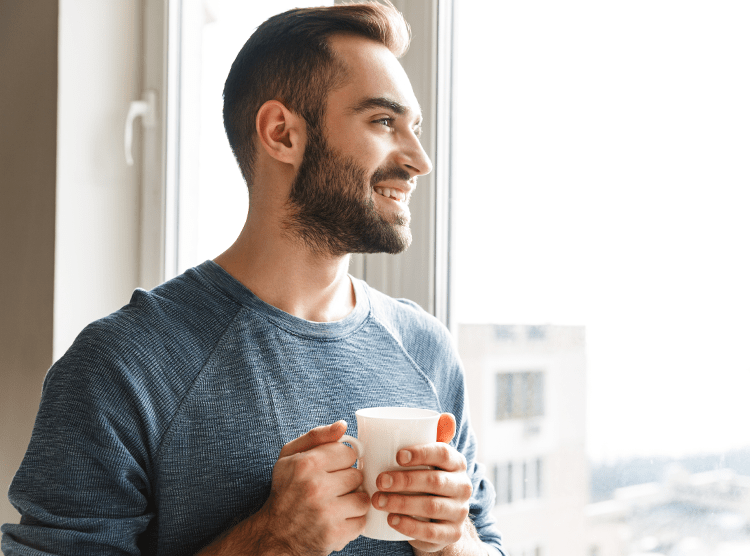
pixel 382 432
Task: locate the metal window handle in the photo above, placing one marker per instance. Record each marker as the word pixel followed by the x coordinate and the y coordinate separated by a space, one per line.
pixel 145 108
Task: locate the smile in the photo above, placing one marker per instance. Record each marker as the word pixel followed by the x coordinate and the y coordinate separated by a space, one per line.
pixel 395 194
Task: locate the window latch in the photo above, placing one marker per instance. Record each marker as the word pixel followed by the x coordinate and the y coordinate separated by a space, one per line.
pixel 146 109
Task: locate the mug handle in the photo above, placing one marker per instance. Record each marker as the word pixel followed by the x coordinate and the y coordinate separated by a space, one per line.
pixel 359 448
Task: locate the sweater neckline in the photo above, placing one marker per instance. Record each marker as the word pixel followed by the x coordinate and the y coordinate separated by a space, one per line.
pixel 233 288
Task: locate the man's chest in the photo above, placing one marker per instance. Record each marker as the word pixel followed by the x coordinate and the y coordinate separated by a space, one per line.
pixel 216 460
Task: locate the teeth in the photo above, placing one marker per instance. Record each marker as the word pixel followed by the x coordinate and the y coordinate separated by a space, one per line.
pixel 390 193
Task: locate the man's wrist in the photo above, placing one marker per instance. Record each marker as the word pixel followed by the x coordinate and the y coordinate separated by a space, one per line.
pixel 468 545
pixel 250 537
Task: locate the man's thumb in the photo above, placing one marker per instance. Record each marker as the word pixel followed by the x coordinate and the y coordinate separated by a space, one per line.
pixel 315 437
pixel 446 429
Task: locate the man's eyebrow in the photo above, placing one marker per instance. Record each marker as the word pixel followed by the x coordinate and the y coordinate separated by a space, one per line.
pixel 381 102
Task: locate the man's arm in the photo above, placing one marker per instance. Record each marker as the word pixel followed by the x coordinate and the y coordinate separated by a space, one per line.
pixel 313 508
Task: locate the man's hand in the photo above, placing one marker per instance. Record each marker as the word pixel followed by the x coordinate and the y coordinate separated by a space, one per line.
pixel 313 508
pixel 440 495
pixel 313 504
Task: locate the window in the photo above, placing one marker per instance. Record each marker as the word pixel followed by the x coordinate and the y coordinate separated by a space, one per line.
pixel 600 191
pixel 519 395
pixel 205 199
pixel 539 478
pixel 516 481
pixel 598 162
pixel 502 480
pixel 509 483
pixel 211 198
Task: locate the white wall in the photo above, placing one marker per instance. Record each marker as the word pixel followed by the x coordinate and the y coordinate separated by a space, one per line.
pixel 97 230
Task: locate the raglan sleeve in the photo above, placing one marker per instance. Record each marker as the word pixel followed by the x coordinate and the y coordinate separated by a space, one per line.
pixel 83 485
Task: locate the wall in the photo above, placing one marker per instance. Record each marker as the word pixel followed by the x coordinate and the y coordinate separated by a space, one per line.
pixel 28 127
pixel 97 233
pixel 69 207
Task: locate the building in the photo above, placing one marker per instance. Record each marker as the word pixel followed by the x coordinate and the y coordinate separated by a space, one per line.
pixel 700 514
pixel 527 390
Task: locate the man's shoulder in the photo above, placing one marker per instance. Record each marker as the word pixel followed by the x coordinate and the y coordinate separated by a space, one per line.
pixel 400 311
pixel 184 305
pixel 409 322
pixel 142 359
pixel 172 326
pixel 427 342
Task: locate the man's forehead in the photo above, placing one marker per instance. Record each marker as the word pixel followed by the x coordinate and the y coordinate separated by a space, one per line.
pixel 374 77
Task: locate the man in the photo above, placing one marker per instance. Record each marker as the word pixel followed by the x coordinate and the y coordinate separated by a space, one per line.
pixel 204 416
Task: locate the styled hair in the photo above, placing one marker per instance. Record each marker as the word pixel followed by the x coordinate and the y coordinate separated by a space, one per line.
pixel 289 59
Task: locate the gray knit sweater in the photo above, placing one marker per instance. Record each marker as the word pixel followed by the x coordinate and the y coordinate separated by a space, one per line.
pixel 160 426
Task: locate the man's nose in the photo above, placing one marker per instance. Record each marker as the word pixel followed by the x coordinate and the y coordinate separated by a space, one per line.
pixel 414 158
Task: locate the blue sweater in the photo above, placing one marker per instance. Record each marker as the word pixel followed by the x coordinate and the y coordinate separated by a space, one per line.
pixel 160 426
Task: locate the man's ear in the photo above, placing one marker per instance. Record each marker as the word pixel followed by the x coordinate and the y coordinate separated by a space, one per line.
pixel 281 133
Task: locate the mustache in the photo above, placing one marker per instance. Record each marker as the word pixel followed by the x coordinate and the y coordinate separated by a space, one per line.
pixel 389 173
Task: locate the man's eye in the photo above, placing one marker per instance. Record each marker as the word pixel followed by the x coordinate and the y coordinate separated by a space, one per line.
pixel 387 122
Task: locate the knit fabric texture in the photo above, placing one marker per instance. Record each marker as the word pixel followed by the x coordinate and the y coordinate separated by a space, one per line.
pixel 159 428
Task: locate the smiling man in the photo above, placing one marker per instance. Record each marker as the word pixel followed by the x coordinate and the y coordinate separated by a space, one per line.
pixel 204 416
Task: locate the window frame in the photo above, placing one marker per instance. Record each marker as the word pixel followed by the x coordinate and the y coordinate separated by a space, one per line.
pixel 420 274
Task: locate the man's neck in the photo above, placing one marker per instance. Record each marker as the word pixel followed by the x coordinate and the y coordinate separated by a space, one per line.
pixel 288 275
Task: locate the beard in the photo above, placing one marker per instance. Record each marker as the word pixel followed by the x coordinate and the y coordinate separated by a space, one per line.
pixel 331 205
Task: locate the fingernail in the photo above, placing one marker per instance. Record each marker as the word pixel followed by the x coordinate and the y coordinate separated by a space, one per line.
pixel 382 500
pixel 386 481
pixel 405 456
pixel 396 520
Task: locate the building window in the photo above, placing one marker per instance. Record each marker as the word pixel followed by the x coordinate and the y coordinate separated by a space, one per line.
pixel 519 395
pixel 504 332
pixel 539 482
pixel 536 333
pixel 514 481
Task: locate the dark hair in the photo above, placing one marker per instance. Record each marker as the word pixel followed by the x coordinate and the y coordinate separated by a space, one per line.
pixel 288 59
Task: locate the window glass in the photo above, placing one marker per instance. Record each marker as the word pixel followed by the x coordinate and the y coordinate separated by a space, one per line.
pixel 600 271
pixel 519 395
pixel 213 196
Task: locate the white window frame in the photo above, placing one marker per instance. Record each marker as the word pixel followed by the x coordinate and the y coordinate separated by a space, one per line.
pixel 156 220
pixel 422 272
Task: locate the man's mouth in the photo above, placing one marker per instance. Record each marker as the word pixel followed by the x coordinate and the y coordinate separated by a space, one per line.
pixel 395 194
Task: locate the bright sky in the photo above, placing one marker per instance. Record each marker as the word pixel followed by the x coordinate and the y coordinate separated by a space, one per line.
pixel 603 179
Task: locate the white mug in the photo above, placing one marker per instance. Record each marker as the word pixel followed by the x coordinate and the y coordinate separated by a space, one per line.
pixel 383 431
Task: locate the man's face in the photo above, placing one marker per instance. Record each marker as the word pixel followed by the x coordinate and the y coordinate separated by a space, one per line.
pixel 352 189
pixel 331 210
